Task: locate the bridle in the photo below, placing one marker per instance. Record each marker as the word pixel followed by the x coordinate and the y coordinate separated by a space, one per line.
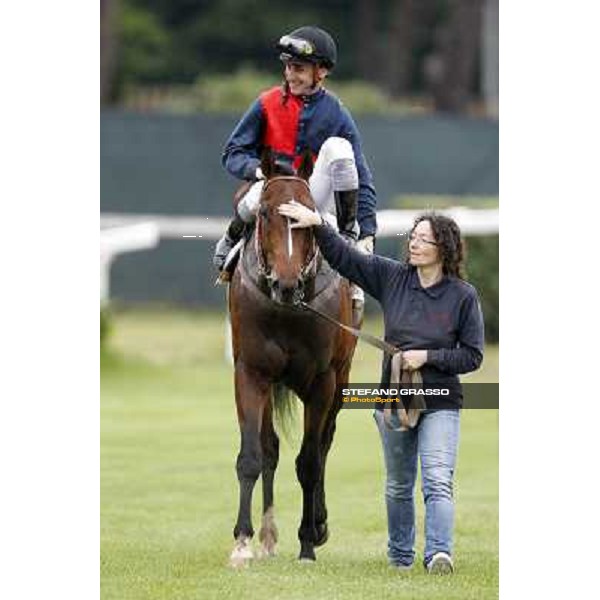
pixel 309 269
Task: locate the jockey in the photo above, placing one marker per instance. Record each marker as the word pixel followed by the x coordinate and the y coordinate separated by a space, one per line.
pixel 290 118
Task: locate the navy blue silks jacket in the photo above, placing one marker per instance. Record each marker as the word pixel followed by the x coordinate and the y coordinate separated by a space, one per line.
pixel 291 126
pixel 444 319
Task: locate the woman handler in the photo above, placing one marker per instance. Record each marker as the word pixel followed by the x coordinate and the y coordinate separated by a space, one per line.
pixel 435 318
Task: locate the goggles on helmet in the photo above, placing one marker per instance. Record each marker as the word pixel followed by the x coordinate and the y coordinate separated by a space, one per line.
pixel 296 46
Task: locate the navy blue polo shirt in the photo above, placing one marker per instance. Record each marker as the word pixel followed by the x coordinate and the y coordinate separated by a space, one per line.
pixel 445 319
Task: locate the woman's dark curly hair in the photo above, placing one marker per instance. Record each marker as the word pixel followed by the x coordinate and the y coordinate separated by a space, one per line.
pixel 450 244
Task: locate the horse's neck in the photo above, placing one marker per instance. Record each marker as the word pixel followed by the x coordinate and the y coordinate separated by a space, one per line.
pixel 326 276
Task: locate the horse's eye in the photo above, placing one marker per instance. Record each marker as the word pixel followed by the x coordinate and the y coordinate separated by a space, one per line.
pixel 264 212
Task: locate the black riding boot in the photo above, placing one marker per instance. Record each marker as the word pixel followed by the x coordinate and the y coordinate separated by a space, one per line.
pixel 346 206
pixel 232 236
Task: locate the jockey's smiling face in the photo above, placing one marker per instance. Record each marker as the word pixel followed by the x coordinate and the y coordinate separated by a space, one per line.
pixel 300 76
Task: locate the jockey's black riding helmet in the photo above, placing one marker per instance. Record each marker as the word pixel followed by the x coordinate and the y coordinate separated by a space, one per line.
pixel 308 44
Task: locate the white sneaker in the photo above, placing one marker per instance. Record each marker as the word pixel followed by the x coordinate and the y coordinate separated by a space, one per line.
pixel 440 564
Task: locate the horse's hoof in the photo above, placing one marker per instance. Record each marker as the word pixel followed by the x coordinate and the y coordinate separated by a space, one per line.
pixel 266 551
pixel 241 554
pixel 239 563
pixel 307 554
pixel 322 535
pixel 268 535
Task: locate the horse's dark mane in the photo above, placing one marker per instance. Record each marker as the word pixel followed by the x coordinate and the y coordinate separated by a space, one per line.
pixel 271 166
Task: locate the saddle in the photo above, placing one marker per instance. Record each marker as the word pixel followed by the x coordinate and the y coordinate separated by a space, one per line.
pixel 241 192
pixel 231 261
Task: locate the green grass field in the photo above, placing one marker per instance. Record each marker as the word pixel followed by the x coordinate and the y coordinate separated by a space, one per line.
pixel 169 490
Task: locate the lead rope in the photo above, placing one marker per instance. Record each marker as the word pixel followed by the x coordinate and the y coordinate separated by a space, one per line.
pixel 408 418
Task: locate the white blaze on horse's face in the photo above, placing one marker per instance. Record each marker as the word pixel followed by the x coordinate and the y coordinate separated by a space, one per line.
pixel 289 240
pixel 290 245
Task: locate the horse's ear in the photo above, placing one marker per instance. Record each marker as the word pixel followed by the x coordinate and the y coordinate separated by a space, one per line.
pixel 267 163
pixel 306 166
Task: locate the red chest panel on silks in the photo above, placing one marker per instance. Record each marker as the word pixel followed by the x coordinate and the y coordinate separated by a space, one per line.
pixel 281 131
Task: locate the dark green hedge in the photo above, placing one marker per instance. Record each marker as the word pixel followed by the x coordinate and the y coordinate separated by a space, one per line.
pixel 482 272
pixel 105 325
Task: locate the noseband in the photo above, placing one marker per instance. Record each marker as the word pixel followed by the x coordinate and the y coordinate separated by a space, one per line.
pixel 310 267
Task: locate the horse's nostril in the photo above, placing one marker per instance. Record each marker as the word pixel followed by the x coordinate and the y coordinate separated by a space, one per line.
pixel 285 291
pixel 298 294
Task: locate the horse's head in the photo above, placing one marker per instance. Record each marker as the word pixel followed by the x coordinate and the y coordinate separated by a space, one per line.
pixel 286 256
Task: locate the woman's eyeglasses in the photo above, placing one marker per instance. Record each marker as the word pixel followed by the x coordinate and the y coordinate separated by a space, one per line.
pixel 419 240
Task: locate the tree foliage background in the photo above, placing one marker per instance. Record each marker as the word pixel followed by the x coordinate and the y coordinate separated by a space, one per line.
pixel 404 47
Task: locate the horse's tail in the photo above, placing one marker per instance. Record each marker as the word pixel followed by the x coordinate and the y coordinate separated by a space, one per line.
pixel 284 409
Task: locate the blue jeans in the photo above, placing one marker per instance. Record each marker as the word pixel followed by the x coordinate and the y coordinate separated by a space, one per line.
pixel 435 441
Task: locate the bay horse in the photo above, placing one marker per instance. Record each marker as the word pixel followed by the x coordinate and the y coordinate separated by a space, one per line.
pixel 278 348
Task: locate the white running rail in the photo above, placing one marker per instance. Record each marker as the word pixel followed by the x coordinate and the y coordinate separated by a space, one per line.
pixel 390 222
pixel 117 240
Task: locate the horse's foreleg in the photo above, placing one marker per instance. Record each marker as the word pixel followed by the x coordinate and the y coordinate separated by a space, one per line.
pixel 342 377
pixel 252 392
pixel 320 503
pixel 317 404
pixel 270 449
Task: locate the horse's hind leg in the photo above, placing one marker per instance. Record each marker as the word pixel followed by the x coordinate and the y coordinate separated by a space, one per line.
pixel 252 392
pixel 270 448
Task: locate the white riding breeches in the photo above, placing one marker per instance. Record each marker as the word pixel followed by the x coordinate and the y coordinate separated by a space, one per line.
pixel 334 170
